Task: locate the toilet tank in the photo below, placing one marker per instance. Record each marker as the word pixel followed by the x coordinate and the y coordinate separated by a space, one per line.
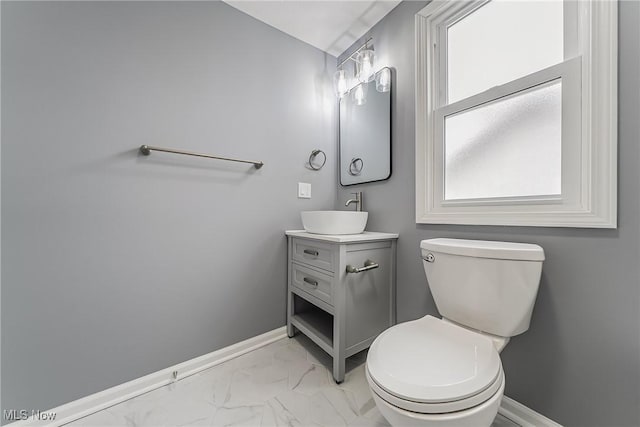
pixel 487 286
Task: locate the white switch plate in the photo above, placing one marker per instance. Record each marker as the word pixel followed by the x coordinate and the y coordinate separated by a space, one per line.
pixel 304 190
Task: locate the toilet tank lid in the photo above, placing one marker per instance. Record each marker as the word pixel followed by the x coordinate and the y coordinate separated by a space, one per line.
pixel 484 249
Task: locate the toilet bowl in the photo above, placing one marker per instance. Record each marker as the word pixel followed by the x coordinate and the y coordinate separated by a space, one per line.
pixel 447 372
pixel 481 415
pixel 429 372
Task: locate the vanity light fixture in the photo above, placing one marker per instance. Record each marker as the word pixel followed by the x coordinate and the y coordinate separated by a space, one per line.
pixel 364 65
pixel 364 72
pixel 359 94
pixel 383 80
pixel 340 84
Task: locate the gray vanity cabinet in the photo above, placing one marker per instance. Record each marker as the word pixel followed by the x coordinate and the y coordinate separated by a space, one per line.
pixel 341 290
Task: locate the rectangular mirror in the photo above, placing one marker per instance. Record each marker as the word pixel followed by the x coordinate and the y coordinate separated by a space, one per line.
pixel 365 133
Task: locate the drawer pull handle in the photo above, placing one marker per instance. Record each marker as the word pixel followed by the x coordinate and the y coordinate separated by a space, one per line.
pixel 368 265
pixel 311 282
pixel 310 252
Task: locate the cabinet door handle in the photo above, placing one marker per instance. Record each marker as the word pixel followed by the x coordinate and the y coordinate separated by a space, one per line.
pixel 368 265
pixel 311 282
pixel 310 252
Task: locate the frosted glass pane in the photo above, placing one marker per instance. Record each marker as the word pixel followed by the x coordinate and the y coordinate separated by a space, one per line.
pixel 511 147
pixel 500 42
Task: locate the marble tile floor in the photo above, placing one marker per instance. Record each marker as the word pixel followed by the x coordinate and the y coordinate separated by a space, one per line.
pixel 286 383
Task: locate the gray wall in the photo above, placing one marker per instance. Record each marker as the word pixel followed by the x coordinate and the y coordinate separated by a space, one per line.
pixel 579 363
pixel 117 265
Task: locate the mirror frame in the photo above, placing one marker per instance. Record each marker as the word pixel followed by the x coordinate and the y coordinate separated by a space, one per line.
pixel 393 83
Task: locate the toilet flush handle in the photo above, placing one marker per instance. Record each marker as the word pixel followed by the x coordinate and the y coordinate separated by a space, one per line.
pixel 429 258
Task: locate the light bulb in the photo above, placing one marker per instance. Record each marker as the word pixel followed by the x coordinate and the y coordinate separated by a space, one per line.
pixel 383 80
pixel 365 65
pixel 340 83
pixel 360 94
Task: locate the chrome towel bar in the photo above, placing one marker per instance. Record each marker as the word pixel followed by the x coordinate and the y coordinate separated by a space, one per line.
pixel 368 265
pixel 147 149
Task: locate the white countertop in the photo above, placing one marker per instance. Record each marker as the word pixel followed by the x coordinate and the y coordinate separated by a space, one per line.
pixel 367 236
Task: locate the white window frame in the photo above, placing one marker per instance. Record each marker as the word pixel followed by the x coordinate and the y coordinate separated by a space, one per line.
pixel 589 115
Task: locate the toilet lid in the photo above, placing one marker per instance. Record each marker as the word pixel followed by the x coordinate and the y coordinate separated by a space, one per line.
pixel 430 361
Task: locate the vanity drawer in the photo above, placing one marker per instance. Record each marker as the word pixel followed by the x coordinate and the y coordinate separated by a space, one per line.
pixel 313 253
pixel 317 284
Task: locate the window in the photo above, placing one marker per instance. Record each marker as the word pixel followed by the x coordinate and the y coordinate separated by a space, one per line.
pixel 516 113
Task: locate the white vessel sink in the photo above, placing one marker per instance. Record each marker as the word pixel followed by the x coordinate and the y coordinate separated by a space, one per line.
pixel 334 222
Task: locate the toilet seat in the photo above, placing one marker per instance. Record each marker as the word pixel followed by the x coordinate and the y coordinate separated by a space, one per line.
pixel 431 366
pixel 438 408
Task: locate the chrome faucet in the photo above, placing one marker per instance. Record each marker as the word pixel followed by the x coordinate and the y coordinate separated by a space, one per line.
pixel 357 201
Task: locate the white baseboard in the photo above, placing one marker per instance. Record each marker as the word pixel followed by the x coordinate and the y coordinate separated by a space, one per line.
pixel 96 402
pixel 524 416
pixel 88 405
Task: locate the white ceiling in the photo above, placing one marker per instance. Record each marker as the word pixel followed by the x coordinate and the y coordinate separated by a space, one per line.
pixel 329 25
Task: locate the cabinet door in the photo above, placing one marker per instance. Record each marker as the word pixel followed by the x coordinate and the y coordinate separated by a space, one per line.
pixel 368 295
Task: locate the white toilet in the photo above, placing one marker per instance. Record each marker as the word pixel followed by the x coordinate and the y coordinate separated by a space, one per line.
pixel 447 372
